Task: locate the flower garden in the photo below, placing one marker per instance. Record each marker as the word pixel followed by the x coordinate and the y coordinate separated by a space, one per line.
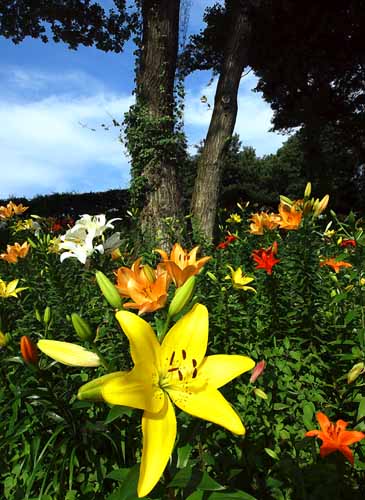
pixel 232 371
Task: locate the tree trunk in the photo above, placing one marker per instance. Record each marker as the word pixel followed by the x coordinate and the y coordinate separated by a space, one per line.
pixel 207 184
pixel 155 93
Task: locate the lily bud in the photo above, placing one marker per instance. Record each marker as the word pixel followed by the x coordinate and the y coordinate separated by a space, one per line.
pixel 92 391
pixel 82 327
pixel 260 393
pixel 149 273
pixel 257 371
pixel 108 290
pixel 47 315
pixel 29 351
pixel 4 339
pixel 355 372
pixel 308 190
pixel 182 296
pixel 116 254
pixel 323 203
pixel 285 200
pixel 37 315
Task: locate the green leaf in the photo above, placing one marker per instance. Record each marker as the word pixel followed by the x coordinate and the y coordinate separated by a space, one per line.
pixel 128 490
pixel 361 414
pixel 181 479
pixel 116 412
pixel 237 495
pixel 208 483
pixel 272 453
pixel 118 474
pixel 308 412
pixel 350 316
pixel 183 454
pixel 280 406
pixel 197 495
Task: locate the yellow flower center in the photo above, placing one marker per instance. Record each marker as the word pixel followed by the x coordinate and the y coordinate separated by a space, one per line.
pixel 181 371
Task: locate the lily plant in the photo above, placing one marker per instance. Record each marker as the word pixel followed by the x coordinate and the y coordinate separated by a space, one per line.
pixel 173 372
pixel 78 241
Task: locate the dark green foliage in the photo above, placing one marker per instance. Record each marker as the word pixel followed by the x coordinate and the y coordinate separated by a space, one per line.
pixel 305 321
pixel 75 204
pixel 75 22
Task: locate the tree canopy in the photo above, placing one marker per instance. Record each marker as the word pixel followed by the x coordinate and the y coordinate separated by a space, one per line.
pixel 75 22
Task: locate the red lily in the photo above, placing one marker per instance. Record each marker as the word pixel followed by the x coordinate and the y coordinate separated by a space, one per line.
pixel 230 238
pixel 348 243
pixel 334 437
pixel 265 258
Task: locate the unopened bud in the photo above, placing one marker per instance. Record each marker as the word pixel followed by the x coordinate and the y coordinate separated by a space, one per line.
pixel 182 296
pixel 82 327
pixel 29 351
pixel 257 371
pixel 47 315
pixel 149 273
pixel 116 254
pixel 260 393
pixel 37 315
pixel 108 290
pixel 355 372
pixel 308 190
pixel 4 339
pixel 212 276
pixel 323 203
pixel 285 200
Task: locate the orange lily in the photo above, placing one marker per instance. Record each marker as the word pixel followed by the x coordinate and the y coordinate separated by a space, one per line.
pixel 182 264
pixel 335 437
pixel 147 287
pixel 290 215
pixel 335 264
pixel 261 221
pixel 15 252
pixel 11 209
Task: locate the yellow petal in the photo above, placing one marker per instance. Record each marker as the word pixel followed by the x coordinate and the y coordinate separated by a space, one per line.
pixel 220 369
pixel 12 286
pixel 159 433
pixel 91 391
pixel 144 345
pixel 68 354
pixel 208 404
pixel 189 334
pixel 136 389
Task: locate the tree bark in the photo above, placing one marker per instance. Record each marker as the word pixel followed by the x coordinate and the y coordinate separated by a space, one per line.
pixel 155 91
pixel 209 172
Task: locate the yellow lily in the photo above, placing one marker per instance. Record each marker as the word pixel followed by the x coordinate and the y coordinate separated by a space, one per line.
pixel 10 289
pixel 175 371
pixel 239 279
pixel 234 218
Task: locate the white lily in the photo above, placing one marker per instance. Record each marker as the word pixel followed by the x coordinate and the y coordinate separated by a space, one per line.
pixel 95 224
pixel 79 245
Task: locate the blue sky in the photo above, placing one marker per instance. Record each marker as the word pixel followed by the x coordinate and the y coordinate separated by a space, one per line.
pixel 51 98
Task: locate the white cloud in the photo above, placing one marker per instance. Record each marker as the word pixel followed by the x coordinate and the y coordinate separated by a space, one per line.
pixel 46 140
pixel 253 118
pixel 47 144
